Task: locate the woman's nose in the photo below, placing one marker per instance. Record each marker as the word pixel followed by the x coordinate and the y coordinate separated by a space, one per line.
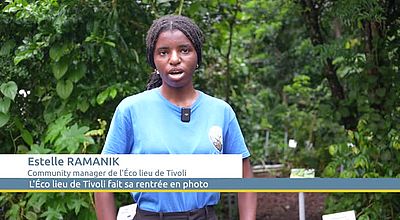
pixel 175 59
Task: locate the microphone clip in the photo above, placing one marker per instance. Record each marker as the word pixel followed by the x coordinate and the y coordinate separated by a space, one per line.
pixel 185 114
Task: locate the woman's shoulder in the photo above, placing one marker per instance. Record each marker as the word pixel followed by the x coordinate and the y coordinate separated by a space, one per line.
pixel 215 101
pixel 138 99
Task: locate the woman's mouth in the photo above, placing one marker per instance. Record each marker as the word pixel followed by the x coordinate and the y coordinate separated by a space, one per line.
pixel 175 72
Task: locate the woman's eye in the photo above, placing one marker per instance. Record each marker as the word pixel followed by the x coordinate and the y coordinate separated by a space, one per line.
pixel 163 53
pixel 185 50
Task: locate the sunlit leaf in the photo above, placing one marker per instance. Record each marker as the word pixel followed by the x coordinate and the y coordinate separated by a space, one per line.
pixel 109 43
pixel 4 119
pixel 64 88
pixel 9 89
pixel 5 104
pixel 102 97
pixel 113 92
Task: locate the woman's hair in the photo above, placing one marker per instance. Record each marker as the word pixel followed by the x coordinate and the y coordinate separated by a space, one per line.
pixel 171 22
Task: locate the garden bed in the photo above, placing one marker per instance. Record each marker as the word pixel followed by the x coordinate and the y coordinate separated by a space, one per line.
pixel 285 206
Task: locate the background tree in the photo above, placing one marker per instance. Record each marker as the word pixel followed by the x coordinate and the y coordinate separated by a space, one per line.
pixel 324 73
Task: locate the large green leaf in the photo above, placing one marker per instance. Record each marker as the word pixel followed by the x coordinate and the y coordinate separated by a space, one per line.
pixel 52 213
pixel 26 135
pixel 64 88
pixel 76 204
pixel 77 72
pixel 59 68
pixel 72 138
pixel 4 119
pixel 101 98
pixel 59 50
pixel 57 127
pixel 83 105
pixel 36 200
pixel 56 52
pixel 104 95
pixel 5 104
pixel 9 89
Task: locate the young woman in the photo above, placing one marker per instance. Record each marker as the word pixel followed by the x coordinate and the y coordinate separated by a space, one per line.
pixel 172 117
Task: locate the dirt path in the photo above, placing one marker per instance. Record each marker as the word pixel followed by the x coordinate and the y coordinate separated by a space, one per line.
pixel 276 206
pixel 285 206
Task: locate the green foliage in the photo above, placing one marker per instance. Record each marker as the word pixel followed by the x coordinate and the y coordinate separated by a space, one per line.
pixel 9 91
pixel 360 51
pixel 60 56
pixel 65 65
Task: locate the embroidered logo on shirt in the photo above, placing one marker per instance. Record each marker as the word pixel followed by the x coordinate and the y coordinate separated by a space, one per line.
pixel 215 136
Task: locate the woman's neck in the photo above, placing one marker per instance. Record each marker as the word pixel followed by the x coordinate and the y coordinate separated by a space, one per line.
pixel 182 97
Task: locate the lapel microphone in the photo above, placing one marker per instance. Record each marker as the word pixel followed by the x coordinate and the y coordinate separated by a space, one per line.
pixel 185 114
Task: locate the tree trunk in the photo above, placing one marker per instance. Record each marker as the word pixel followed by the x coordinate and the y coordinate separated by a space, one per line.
pixel 311 13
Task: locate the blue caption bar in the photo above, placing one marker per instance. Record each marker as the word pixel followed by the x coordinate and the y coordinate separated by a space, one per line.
pixel 205 184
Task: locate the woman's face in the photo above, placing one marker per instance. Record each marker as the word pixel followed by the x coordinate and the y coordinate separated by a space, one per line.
pixel 175 58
